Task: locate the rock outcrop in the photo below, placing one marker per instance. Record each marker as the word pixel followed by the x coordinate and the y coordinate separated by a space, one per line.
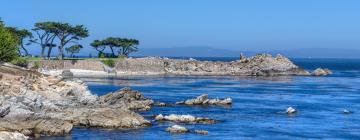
pixel 35 104
pixel 345 111
pixel 126 97
pixel 204 100
pixel 184 119
pixel 290 110
pixel 321 72
pixel 177 129
pixel 259 65
pixel 12 136
pixel 161 104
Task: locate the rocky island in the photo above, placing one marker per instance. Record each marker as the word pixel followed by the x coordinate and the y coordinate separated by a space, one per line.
pixel 259 65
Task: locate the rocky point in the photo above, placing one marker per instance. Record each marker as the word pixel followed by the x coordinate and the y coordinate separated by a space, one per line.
pixel 37 105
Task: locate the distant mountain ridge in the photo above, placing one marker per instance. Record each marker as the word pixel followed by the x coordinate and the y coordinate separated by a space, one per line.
pixel 216 52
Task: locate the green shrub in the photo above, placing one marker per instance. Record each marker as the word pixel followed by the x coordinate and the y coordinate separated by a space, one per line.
pixel 101 55
pixel 8 45
pixel 19 61
pixel 36 65
pixel 109 62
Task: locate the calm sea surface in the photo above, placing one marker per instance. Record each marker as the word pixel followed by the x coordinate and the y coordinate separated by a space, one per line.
pixel 259 104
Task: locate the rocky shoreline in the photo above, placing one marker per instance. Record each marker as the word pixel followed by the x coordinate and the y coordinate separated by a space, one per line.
pixel 38 105
pixel 259 65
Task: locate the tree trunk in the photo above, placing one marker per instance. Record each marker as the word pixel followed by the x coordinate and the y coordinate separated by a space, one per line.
pixel 112 51
pixel 42 51
pixel 19 52
pixel 49 52
pixel 123 51
pixel 61 50
pixel 25 50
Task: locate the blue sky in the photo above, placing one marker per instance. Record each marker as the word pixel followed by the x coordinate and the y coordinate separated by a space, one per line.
pixel 229 24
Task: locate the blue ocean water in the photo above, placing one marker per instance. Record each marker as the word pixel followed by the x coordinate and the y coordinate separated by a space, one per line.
pixel 259 104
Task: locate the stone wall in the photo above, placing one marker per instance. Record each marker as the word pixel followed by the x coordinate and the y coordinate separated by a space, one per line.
pixel 94 65
pixel 128 65
pixel 140 65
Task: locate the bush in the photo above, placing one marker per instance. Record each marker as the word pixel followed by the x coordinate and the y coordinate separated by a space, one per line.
pixel 8 45
pixel 101 55
pixel 36 65
pixel 19 61
pixel 109 62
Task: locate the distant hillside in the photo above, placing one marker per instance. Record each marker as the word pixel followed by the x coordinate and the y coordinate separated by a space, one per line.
pixel 215 52
pixel 321 53
pixel 187 52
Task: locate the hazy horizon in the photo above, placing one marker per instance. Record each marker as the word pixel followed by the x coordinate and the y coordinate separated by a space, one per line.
pixel 256 25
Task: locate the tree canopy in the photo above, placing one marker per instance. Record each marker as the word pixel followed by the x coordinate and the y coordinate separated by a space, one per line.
pixel 21 35
pixel 58 34
pixel 8 43
pixel 73 49
pixel 46 34
pixel 118 46
pixel 67 33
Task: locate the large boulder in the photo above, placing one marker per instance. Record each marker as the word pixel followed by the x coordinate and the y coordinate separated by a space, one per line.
pixel 177 129
pixel 204 100
pixel 127 98
pixel 184 119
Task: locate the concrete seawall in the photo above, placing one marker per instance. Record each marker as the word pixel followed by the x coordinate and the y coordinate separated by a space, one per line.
pixel 94 65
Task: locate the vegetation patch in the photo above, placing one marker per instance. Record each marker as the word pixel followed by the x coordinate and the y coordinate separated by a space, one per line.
pixel 109 62
pixel 19 61
pixel 8 45
pixel 36 65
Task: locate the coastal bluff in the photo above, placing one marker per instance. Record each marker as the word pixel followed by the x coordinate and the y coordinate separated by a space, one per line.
pixel 259 65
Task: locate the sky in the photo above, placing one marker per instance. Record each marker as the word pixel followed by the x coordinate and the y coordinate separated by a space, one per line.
pixel 227 24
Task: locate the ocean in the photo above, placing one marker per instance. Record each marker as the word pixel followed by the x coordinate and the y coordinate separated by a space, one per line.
pixel 259 104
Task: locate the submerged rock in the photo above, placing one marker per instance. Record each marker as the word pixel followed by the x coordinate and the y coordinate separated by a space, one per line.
pixel 290 110
pixel 177 129
pixel 160 104
pixel 321 72
pixel 202 132
pixel 204 100
pixel 184 119
pixel 12 136
pixel 345 111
